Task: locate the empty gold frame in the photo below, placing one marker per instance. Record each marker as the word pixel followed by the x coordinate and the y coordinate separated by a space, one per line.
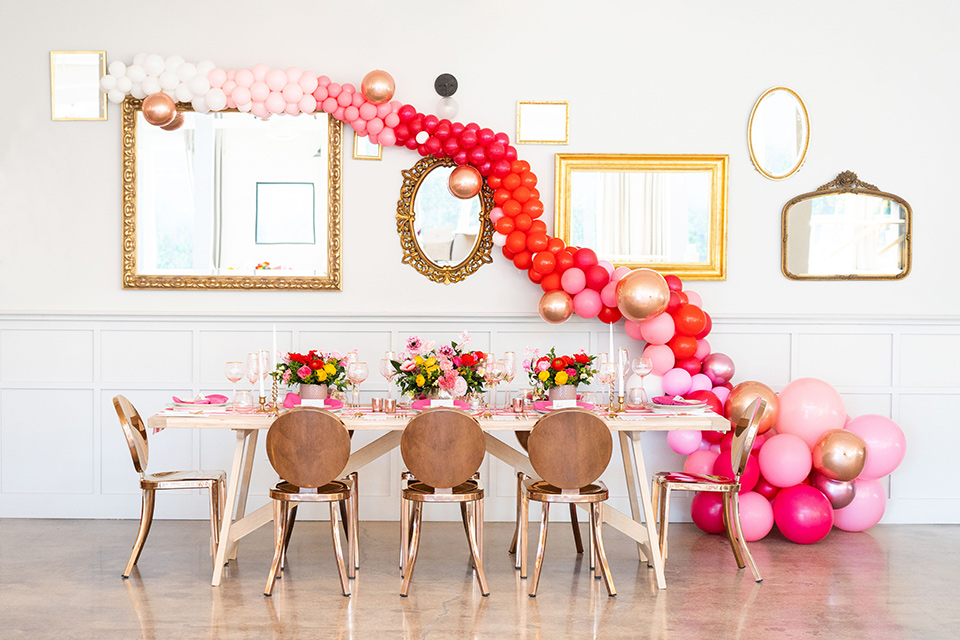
pixel 778 133
pixel 846 230
pixel 229 201
pixel 443 237
pixel 543 122
pixel 75 85
pixel 665 212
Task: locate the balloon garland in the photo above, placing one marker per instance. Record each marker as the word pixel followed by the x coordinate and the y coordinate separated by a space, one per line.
pixel 813 472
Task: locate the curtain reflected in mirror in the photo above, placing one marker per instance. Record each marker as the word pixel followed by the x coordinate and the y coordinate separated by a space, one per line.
pixel 663 212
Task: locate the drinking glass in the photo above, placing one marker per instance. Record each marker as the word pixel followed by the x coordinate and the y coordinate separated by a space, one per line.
pixel 509 373
pixel 243 401
pixel 234 372
pixel 607 374
pixel 357 372
pixel 493 373
pixel 387 370
pixel 642 367
pixel 253 367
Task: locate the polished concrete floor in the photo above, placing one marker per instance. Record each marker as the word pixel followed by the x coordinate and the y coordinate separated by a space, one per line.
pixel 61 579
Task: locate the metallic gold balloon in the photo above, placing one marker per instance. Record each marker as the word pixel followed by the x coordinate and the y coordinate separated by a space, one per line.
pixel 175 124
pixel 839 455
pixel 465 182
pixel 642 293
pixel 743 394
pixel 159 109
pixel 378 86
pixel 555 306
pixel 840 494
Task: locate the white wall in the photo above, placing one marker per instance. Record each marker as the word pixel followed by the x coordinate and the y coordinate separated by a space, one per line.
pixel 641 77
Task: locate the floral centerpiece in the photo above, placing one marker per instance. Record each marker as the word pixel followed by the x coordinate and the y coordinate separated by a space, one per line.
pixel 424 369
pixel 328 369
pixel 552 371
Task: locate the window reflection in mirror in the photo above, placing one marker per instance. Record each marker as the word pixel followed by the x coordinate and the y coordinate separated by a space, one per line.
pixel 446 227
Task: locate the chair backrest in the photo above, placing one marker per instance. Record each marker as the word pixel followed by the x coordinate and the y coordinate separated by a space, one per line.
pixel 308 446
pixel 443 447
pixel 134 431
pixel 744 434
pixel 570 448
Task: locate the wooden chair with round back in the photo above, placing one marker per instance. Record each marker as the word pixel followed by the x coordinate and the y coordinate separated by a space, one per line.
pixel 309 448
pixel 136 435
pixel 569 449
pixel 442 448
pixel 664 483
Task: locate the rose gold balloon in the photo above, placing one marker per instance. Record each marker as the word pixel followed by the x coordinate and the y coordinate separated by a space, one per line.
pixel 840 494
pixel 159 109
pixel 642 293
pixel 743 394
pixel 718 367
pixel 839 455
pixel 465 182
pixel 378 86
pixel 175 124
pixel 555 306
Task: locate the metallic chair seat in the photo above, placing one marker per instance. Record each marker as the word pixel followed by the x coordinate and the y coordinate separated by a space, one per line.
pixel 465 492
pixel 182 479
pixel 330 492
pixel 682 477
pixel 542 491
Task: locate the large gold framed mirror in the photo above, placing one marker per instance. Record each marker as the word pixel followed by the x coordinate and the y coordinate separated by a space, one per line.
pixel 443 237
pixel 778 133
pixel 846 230
pixel 230 201
pixel 665 212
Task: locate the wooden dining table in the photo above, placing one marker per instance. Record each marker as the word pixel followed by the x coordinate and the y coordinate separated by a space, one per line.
pixel 628 426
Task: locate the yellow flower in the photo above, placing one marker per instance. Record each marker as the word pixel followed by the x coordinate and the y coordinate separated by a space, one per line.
pixel 562 377
pixel 329 368
pixel 420 380
pixel 430 361
pixel 543 375
pixel 433 368
pixel 321 374
pixel 418 360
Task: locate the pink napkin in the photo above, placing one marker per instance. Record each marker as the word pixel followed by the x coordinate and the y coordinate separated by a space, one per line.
pixel 293 400
pixel 668 401
pixel 213 398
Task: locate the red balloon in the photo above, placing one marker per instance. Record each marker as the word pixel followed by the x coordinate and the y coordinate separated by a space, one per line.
pixel 430 123
pixel 585 258
pixel 442 131
pixel 485 169
pixel 477 156
pixel 511 181
pixel 765 489
pixel 468 139
pixel 521 194
pixel 501 168
pixel 460 158
pixel 511 154
pixel 707 327
pixel 416 125
pixel 507 253
pixel 706 510
pixel 597 276
pixel 674 302
pixel 473 126
pixel 456 129
pixel 683 346
pixel 500 196
pixel 451 147
pixel 522 220
pixel 496 150
pixel 726 442
pixel 523 260
pixel 528 179
pixel 407 113
pixel 533 207
pixel 713 437
pixel 485 137
pixel 691 365
pixel 543 261
pixel 505 225
pixel 402 132
pixel 555 245
pixel 516 242
pixel 689 319
pixel 432 146
pixel 673 283
pixel 609 315
pixel 519 166
pixel 411 144
pixel 538 226
pixel 511 207
pixel 502 138
pixel 713 402
pixel 723 467
pixel 537 242
pixel 550 282
pixel 803 514
pixel 534 275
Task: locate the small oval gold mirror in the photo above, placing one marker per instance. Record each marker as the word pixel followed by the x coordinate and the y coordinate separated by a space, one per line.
pixel 779 133
pixel 443 237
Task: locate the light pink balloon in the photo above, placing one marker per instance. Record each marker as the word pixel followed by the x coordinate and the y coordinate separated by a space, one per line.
pixel 275 102
pixel 275 79
pixel 785 460
pixel 308 82
pixel 703 349
pixel 244 78
pixel 756 516
pixel 351 113
pixel 383 110
pixel 292 109
pixel 229 86
pixel 345 99
pixel 662 357
pixel 721 393
pixel 391 120
pixel 320 93
pixel 368 111
pixel 495 214
pixel 676 382
pixel 684 442
pixel 216 78
pixel 700 461
pixel 333 89
pixel 258 109
pixel 586 304
pixel 606 264
pixel 632 327
pixel 659 329
pixel 375 125
pixel 329 105
pixel 715 447
pixel 260 71
pixel 307 104
pixel 387 138
pixel 293 74
pixel 259 91
pixel 866 510
pixel 573 280
pixel 241 95
pixel 886 444
pixel 608 295
pixel 808 408
pixel 618 273
pixel 292 92
pixel 360 126
pixel 700 382
pixel 694 298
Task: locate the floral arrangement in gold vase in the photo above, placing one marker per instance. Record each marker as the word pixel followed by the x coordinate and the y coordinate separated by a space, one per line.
pixel 425 370
pixel 559 376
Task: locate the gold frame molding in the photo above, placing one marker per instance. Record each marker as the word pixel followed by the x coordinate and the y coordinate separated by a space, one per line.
pixel 806 143
pixel 133 280
pixel 717 165
pixel 359 156
pixel 566 122
pixel 53 88
pixel 412 252
pixel 848 182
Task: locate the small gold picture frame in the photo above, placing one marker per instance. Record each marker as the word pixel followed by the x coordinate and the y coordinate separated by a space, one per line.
pixel 363 149
pixel 543 122
pixel 75 85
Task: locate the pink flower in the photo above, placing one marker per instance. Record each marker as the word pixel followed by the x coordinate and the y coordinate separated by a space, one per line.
pixel 414 344
pixel 286 377
pixel 445 365
pixel 333 354
pixel 286 358
pixel 463 339
pixel 526 365
pixel 543 366
pixel 459 386
pixel 408 365
pixel 428 347
pixel 457 362
pixel 304 371
pixel 571 372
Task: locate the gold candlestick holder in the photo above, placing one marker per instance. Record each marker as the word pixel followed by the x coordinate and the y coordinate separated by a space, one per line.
pixel 263 404
pixel 276 397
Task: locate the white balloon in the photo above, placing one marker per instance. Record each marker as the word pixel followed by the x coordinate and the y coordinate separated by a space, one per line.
pixel 205 66
pixel 499 239
pixel 244 108
pixel 153 65
pixel 447 108
pixel 115 96
pixel 199 105
pixel 150 85
pixel 170 93
pixel 139 59
pixel 215 99
pixel 183 93
pixel 137 92
pixel 422 137
pixel 124 84
pixel 186 71
pixel 169 80
pixel 108 82
pixel 199 85
pixel 136 73
pixel 172 63
pixel 117 68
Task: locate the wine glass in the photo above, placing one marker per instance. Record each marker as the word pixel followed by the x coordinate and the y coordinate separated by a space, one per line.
pixel 509 373
pixel 493 373
pixel 607 374
pixel 642 366
pixel 387 370
pixel 234 373
pixel 357 372
pixel 253 367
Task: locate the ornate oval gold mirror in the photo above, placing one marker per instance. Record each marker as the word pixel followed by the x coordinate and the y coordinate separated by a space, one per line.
pixel 846 230
pixel 779 133
pixel 443 237
pixel 230 201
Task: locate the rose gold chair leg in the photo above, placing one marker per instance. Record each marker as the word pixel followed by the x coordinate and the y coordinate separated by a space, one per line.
pixel 596 521
pixel 146 519
pixel 466 525
pixel 338 549
pixel 577 540
pixel 279 535
pixel 289 519
pixel 524 532
pixel 479 529
pixel 405 533
pixel 592 547
pixel 516 531
pixel 474 547
pixel 352 534
pixel 414 547
pixel 728 526
pixel 541 547
pixel 743 543
pixel 356 519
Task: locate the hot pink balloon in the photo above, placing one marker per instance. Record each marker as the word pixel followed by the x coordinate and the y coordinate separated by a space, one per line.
pixel 694 298
pixel 706 511
pixel 866 510
pixel 632 328
pixel 662 357
pixel 718 367
pixel 608 296
pixel 684 442
pixel 586 304
pixel 802 514
pixel 700 382
pixel 808 407
pixel 495 214
pixel 606 264
pixel 886 444
pixel 721 393
pixel 387 138
pixel 756 516
pixel 573 280
pixel 785 460
pixel 618 273
pixel 658 329
pixel 703 350
pixel 676 382
pixel 724 467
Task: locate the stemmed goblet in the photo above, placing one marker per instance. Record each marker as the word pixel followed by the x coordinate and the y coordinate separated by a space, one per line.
pixel 607 374
pixel 509 373
pixel 493 373
pixel 387 370
pixel 642 366
pixel 357 372
pixel 234 373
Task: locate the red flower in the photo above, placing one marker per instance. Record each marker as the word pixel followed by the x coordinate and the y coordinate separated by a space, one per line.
pixel 582 358
pixel 298 357
pixel 558 364
pixel 468 360
pixel 479 355
pixel 316 365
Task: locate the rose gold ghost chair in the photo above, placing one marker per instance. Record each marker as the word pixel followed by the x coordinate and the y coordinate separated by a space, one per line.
pixel 442 448
pixel 150 483
pixel 309 448
pixel 664 483
pixel 569 449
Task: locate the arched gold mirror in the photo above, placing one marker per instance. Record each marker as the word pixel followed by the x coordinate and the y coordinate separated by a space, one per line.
pixel 778 133
pixel 443 237
pixel 846 230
